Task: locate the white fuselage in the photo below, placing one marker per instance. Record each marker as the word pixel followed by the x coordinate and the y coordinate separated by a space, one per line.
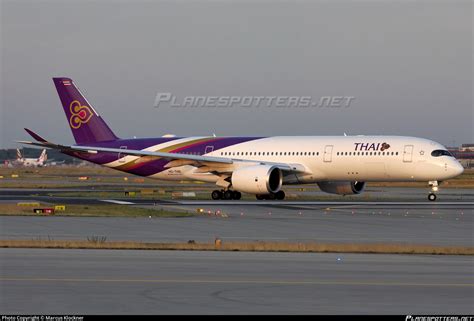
pixel 338 158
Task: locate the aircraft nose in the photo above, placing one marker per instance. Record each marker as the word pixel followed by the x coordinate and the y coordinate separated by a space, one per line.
pixel 456 168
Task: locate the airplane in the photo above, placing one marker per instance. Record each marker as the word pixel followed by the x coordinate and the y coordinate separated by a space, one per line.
pixel 31 162
pixel 254 165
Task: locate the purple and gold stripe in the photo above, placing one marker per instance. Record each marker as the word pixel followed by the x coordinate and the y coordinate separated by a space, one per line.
pixel 147 166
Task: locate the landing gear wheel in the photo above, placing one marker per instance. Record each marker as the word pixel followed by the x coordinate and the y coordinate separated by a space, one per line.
pixel 236 195
pixel 259 197
pixel 432 197
pixel 216 195
pixel 228 195
pixel 271 196
pixel 280 195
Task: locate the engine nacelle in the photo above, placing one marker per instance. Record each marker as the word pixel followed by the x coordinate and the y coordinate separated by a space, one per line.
pixel 258 179
pixel 342 188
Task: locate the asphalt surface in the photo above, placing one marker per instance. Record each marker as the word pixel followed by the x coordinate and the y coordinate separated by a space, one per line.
pixel 175 282
pixel 436 224
pixel 36 281
pixel 370 194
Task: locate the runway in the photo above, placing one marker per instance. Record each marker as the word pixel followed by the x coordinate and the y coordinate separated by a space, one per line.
pixel 372 196
pixel 458 199
pixel 174 282
pixel 435 225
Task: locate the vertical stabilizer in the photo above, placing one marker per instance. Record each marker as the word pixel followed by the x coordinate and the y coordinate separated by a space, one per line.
pixel 86 124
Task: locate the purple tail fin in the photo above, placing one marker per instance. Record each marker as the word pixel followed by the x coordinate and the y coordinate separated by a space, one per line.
pixel 86 124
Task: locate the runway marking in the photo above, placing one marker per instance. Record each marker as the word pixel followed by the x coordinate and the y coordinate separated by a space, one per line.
pixel 118 202
pixel 410 284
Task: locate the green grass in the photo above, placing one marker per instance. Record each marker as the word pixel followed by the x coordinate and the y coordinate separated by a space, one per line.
pixel 106 210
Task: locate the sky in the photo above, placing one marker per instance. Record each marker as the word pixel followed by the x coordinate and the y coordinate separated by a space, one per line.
pixel 408 65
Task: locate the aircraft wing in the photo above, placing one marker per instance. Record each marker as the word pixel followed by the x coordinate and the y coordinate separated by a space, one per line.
pixel 207 163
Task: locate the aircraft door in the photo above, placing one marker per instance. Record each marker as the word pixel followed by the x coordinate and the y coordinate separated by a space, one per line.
pixel 121 155
pixel 209 149
pixel 328 153
pixel 408 154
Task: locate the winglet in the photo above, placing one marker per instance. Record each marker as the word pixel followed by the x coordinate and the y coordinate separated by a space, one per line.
pixel 36 136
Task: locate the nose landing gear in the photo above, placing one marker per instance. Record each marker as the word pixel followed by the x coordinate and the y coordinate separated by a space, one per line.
pixel 434 189
pixel 432 197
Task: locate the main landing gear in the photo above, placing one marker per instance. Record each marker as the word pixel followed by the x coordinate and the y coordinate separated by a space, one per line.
pixel 280 195
pixel 226 195
pixel 234 195
pixel 434 188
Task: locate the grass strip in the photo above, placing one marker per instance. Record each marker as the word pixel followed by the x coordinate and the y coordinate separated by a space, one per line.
pixel 376 248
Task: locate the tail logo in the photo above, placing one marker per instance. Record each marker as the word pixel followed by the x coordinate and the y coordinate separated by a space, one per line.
pixel 79 114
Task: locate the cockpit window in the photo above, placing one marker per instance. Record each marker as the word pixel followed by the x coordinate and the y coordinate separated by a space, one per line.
pixel 440 152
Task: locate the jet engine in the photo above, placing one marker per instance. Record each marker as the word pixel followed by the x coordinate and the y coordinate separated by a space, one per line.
pixel 258 179
pixel 342 188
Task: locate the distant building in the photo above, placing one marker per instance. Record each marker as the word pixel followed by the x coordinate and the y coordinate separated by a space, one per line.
pixel 467 147
pixel 464 154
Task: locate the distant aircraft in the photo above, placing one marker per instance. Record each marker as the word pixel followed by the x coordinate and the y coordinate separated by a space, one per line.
pixel 255 165
pixel 31 162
